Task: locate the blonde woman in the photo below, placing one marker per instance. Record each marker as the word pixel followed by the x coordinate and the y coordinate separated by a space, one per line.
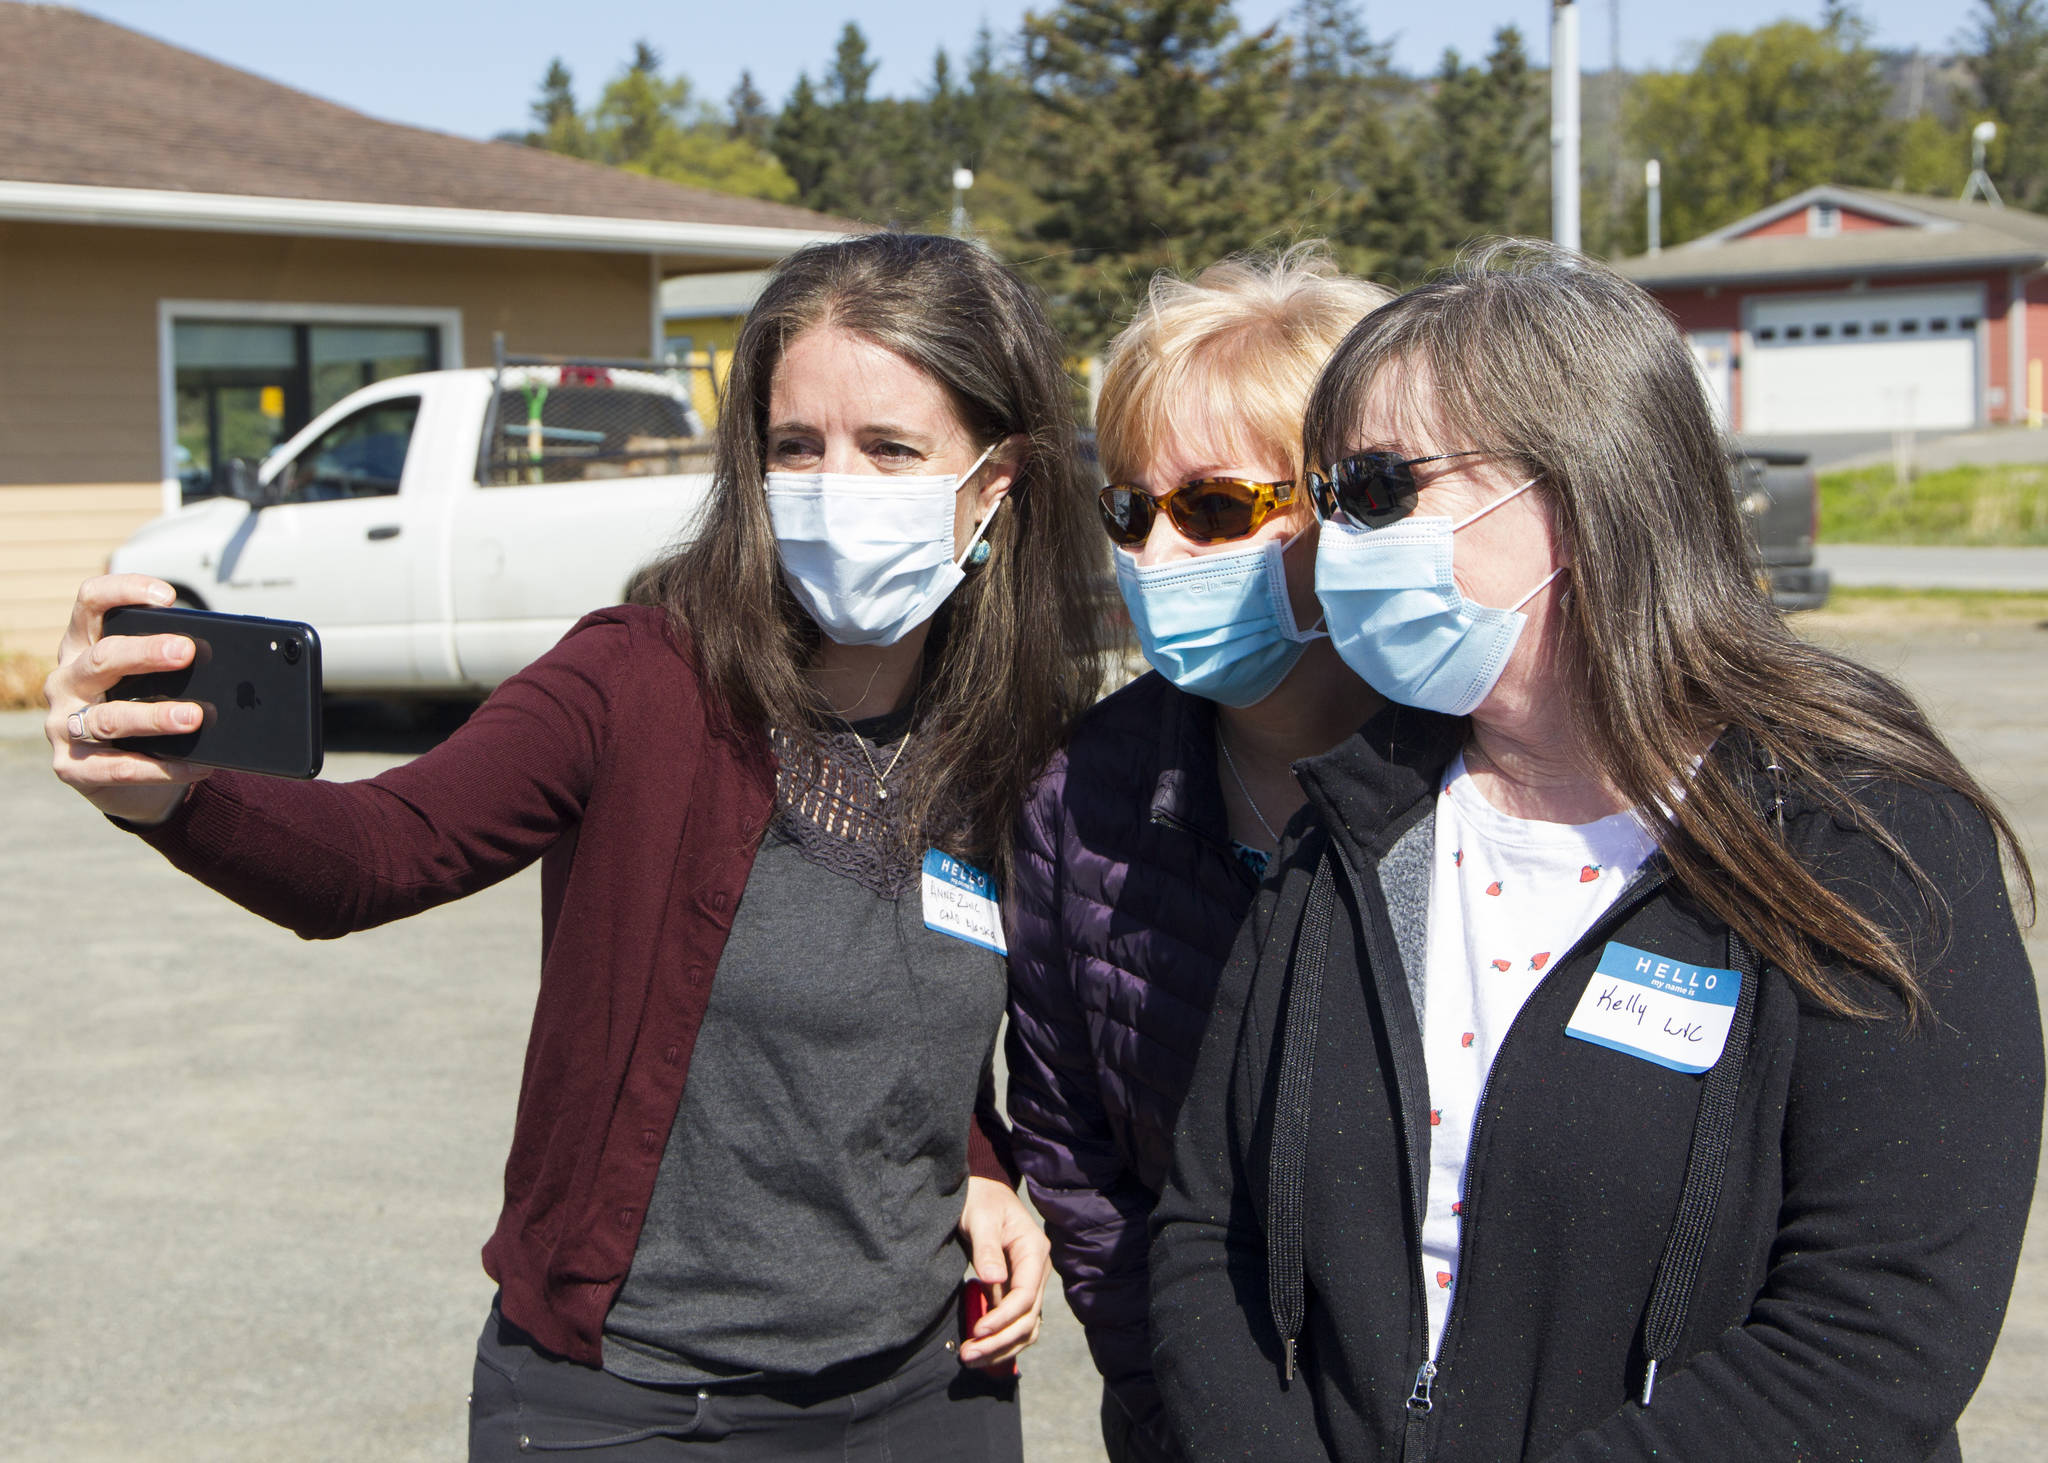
pixel 1139 852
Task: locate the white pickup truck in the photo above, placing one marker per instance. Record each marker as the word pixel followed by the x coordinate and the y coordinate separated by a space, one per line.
pixel 442 530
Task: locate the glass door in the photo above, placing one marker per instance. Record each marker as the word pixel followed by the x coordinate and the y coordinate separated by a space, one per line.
pixel 242 387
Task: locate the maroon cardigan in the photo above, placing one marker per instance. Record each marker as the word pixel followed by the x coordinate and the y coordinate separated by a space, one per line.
pixel 604 761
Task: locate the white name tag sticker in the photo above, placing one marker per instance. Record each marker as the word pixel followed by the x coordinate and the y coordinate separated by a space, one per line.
pixel 1656 1008
pixel 960 900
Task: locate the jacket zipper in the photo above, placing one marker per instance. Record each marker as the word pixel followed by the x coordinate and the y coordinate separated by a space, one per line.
pixel 1415 1432
pixel 1419 1404
pixel 1620 910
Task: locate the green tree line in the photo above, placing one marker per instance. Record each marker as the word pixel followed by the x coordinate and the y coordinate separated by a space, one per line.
pixel 1113 138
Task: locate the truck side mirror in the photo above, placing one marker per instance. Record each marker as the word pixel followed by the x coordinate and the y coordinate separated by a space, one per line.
pixel 241 482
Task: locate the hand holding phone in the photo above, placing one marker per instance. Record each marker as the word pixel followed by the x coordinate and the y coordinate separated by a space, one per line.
pixel 84 726
pixel 977 1299
pixel 255 681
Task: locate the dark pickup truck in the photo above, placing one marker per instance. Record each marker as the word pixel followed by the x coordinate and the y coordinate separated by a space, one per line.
pixel 1776 494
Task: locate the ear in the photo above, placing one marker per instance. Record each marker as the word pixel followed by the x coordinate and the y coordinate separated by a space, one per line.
pixel 994 480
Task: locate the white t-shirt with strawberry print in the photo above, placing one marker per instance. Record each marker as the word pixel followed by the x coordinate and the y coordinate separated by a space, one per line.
pixel 1507 897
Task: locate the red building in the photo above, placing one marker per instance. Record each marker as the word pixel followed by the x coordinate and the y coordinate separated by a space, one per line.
pixel 1851 309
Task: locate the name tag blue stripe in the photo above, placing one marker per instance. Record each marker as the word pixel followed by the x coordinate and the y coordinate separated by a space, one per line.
pixel 1673 977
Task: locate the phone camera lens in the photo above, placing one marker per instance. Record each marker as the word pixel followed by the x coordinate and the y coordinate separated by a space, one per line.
pixel 291 650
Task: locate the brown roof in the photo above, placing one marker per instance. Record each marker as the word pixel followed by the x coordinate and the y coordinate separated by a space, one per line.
pixel 1953 236
pixel 84 101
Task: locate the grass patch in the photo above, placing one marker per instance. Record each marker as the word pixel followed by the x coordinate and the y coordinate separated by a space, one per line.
pixel 21 680
pixel 1855 609
pixel 1996 505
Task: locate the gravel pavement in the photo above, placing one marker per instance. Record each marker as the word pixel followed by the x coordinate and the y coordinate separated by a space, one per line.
pixel 243 1179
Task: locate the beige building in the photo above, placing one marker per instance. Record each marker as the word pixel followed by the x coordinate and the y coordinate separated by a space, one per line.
pixel 194 262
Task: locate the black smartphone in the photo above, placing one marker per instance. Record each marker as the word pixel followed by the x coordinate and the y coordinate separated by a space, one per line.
pixel 257 682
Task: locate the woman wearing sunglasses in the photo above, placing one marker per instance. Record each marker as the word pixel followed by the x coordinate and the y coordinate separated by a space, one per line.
pixel 1633 1055
pixel 746 1172
pixel 1139 853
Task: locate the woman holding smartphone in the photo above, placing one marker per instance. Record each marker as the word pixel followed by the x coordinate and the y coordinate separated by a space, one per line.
pixel 756 1123
pixel 1141 848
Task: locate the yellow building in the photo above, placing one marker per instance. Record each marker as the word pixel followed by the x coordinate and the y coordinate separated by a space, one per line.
pixel 195 261
pixel 701 314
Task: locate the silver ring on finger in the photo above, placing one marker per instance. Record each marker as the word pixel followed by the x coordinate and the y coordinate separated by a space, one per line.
pixel 75 725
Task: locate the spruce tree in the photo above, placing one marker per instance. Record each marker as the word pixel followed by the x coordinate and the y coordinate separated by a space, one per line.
pixel 993 109
pixel 1484 145
pixel 846 150
pixel 1157 134
pixel 647 123
pixel 751 119
pixel 559 126
pixel 1346 177
pixel 802 140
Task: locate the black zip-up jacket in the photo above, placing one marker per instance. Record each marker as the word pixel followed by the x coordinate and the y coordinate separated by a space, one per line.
pixel 1859 1257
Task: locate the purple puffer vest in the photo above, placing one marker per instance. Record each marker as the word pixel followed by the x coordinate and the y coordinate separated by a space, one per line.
pixel 1125 898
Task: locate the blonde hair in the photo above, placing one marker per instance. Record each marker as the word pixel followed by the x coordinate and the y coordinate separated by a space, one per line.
pixel 1228 358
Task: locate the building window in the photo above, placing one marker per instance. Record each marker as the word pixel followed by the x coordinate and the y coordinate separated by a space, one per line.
pixel 1769 332
pixel 243 386
pixel 1851 328
pixel 1795 332
pixel 1880 327
pixel 1968 322
pixel 1909 327
pixel 1938 323
pixel 1827 219
pixel 1822 332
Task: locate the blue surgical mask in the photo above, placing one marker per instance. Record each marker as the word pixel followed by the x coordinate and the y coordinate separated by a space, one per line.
pixel 869 557
pixel 1218 625
pixel 1397 618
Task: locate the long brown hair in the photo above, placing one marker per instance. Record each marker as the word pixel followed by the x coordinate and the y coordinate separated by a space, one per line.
pixel 1014 654
pixel 1549 362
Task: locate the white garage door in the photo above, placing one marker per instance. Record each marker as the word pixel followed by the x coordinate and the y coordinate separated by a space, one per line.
pixel 1871 360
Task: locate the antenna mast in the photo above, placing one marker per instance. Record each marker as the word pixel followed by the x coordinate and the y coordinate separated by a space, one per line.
pixel 1980 184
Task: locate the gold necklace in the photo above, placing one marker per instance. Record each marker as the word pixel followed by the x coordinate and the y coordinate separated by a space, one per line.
pixel 882 773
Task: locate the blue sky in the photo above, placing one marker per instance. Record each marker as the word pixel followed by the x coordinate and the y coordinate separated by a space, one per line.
pixel 472 68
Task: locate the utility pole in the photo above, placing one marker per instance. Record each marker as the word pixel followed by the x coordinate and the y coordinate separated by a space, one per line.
pixel 1653 182
pixel 1617 88
pixel 1564 123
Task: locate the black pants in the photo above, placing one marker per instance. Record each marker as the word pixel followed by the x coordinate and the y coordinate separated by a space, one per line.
pixel 921 1407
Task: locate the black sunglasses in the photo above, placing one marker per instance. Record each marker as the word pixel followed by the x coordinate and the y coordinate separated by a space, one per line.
pixel 1370 488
